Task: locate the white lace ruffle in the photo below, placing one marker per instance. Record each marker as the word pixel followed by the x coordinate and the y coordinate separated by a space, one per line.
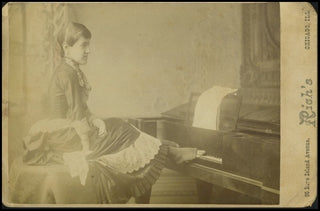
pixel 135 156
pixel 77 164
pixel 75 161
pixel 130 159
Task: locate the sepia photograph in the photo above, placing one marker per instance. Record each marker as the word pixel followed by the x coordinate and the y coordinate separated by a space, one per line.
pixel 145 104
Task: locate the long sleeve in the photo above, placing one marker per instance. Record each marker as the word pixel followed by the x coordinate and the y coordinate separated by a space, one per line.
pixel 74 94
pixel 71 98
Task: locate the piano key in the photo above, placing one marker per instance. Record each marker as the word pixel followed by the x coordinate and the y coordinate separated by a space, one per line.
pixel 211 159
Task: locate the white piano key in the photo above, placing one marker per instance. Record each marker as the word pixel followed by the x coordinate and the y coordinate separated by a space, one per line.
pixel 211 158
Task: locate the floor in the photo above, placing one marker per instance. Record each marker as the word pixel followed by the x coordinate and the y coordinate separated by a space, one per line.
pixel 173 188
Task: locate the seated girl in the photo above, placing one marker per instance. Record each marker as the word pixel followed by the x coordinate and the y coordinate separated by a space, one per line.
pixel 124 161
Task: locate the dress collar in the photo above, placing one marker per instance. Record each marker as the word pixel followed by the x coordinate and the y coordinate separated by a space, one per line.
pixel 81 77
pixel 72 63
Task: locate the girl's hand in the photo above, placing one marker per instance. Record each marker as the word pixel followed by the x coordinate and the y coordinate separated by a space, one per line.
pixel 200 153
pixel 101 126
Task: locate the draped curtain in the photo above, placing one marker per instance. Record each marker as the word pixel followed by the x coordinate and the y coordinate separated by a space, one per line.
pixel 33 53
pixel 56 17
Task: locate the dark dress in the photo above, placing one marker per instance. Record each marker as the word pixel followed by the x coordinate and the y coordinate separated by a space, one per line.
pixel 124 163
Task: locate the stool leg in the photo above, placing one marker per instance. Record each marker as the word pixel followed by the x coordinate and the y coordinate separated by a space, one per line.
pixel 144 199
pixel 204 192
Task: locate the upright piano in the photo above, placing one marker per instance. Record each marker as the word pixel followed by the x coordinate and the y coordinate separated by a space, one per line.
pixel 242 155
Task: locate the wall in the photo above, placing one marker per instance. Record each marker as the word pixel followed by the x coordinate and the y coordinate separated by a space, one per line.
pixel 145 59
pixel 148 58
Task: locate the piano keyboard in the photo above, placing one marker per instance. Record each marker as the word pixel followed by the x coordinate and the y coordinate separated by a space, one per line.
pixel 211 158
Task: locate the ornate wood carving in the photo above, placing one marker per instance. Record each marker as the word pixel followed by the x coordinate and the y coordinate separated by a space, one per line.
pixel 261 45
pixel 260 70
